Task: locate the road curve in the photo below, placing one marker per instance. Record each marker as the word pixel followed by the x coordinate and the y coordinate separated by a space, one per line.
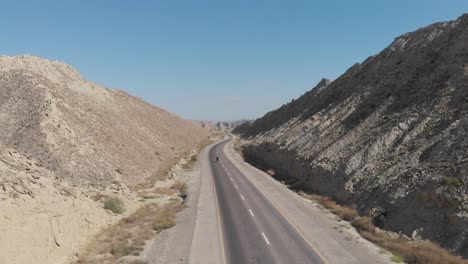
pixel 253 229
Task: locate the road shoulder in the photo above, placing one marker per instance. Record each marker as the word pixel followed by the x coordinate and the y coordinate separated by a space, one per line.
pixel 206 244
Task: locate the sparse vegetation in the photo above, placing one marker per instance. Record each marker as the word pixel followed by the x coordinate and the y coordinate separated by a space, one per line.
pixel 128 237
pixel 452 182
pixel 404 250
pixel 344 212
pixel 397 259
pixel 114 204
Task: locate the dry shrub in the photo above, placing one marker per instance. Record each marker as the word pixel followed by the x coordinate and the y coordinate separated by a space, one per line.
pixel 363 223
pixel 121 249
pixel 181 187
pixel 114 204
pixel 344 212
pixel 165 218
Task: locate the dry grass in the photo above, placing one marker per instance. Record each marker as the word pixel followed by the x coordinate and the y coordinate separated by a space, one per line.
pixel 165 218
pixel 166 191
pixel 344 212
pixel 412 252
pixel 128 237
pixel 363 223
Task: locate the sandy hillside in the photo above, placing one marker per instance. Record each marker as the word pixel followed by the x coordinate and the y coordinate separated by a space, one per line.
pixel 62 141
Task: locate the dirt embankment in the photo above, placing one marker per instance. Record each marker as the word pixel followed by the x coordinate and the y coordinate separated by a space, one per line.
pixel 65 145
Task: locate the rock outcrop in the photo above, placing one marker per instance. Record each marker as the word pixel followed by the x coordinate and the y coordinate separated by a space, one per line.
pixel 63 140
pixel 390 136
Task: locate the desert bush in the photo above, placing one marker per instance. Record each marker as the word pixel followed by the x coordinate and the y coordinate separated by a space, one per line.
pixel 194 157
pixel 181 187
pixel 114 204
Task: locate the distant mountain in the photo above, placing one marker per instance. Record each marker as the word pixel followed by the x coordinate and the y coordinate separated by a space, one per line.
pixel 389 135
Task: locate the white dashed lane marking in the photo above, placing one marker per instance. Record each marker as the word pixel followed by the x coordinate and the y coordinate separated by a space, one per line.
pixel 266 239
pixel 251 212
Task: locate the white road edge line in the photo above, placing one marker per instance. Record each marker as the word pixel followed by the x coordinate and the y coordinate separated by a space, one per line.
pixel 266 239
pixel 242 196
pixel 251 212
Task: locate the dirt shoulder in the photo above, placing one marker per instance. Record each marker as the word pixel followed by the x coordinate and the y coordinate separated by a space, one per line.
pixel 173 244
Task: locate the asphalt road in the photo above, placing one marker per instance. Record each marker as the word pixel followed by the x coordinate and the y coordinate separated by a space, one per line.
pixel 253 229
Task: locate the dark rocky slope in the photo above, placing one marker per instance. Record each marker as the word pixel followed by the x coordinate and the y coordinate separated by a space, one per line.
pixel 389 136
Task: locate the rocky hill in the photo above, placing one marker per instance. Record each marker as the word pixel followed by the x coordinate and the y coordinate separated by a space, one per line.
pixel 390 136
pixel 62 140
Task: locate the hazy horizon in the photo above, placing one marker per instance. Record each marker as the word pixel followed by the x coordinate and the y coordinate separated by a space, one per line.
pixel 209 60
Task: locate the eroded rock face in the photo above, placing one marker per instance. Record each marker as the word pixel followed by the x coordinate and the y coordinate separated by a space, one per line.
pixel 389 135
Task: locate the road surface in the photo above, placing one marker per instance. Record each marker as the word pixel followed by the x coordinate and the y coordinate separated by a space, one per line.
pixel 253 230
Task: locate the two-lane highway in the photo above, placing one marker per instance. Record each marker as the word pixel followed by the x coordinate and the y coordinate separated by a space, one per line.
pixel 253 229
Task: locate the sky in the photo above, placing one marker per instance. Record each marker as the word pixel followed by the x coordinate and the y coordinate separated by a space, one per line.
pixel 213 60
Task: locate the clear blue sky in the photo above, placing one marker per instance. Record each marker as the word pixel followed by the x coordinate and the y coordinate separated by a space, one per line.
pixel 216 60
